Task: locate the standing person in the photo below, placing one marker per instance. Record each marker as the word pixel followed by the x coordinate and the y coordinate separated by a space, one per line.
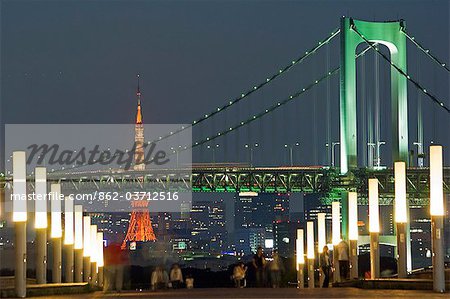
pixel 259 263
pixel 325 264
pixel 344 265
pixel 159 279
pixel 115 258
pixel 239 272
pixel 176 277
pixel 276 267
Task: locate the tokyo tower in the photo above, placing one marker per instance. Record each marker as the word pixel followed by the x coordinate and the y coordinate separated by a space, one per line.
pixel 140 227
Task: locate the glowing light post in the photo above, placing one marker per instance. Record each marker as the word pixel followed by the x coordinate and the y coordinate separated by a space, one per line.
pixel 250 147
pixel 40 223
pixel 321 240
pixel 300 259
pixel 100 261
pixel 93 254
pixel 213 148
pixel 291 152
pixel 78 246
pixel 353 233
pixel 20 222
pixel 310 254
pixel 437 217
pixel 56 232
pixel 336 236
pixel 86 248
pixel 401 217
pixel 374 229
pixel 68 239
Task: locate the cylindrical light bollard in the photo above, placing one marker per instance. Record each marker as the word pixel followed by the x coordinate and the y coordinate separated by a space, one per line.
pixel 374 229
pixel 321 241
pixel 100 260
pixel 94 254
pixel 401 217
pixel 41 224
pixel 86 248
pixel 300 259
pixel 437 217
pixel 68 239
pixel 336 237
pixel 56 232
pixel 353 233
pixel 78 244
pixel 310 253
pixel 20 223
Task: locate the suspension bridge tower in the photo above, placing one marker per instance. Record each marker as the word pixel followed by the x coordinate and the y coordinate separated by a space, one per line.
pixel 140 226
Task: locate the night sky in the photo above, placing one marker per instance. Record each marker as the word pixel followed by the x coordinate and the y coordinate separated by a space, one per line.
pixel 76 61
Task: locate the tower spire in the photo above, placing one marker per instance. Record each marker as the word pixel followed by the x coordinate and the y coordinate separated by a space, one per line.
pixel 138 92
pixel 138 95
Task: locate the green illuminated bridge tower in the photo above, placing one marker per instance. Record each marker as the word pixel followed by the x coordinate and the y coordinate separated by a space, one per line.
pixel 353 33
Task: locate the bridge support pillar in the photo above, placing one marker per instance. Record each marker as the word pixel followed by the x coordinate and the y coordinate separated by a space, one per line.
pixel 437 228
pixel 402 250
pixel 41 255
pixel 78 265
pixel 374 255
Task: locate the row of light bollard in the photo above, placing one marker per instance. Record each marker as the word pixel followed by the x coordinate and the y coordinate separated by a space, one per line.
pixel 83 244
pixel 401 219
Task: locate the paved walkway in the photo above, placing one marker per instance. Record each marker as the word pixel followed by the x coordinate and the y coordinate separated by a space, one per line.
pixel 264 293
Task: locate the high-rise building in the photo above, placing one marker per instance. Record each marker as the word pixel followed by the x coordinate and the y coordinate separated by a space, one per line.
pixel 248 240
pixel 200 225
pixel 208 225
pixel 282 239
pixel 217 223
pixel 420 228
pixel 312 205
pixel 254 218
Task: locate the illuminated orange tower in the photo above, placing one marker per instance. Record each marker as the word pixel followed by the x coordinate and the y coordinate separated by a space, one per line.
pixel 140 227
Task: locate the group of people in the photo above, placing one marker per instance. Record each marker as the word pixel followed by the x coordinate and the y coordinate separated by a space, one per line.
pixel 326 265
pixel 266 272
pixel 262 268
pixel 161 280
pixel 273 269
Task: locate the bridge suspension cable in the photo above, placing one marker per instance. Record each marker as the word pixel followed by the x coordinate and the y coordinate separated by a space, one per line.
pixel 273 107
pixel 259 115
pixel 245 94
pixel 255 88
pixel 426 51
pixel 408 77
